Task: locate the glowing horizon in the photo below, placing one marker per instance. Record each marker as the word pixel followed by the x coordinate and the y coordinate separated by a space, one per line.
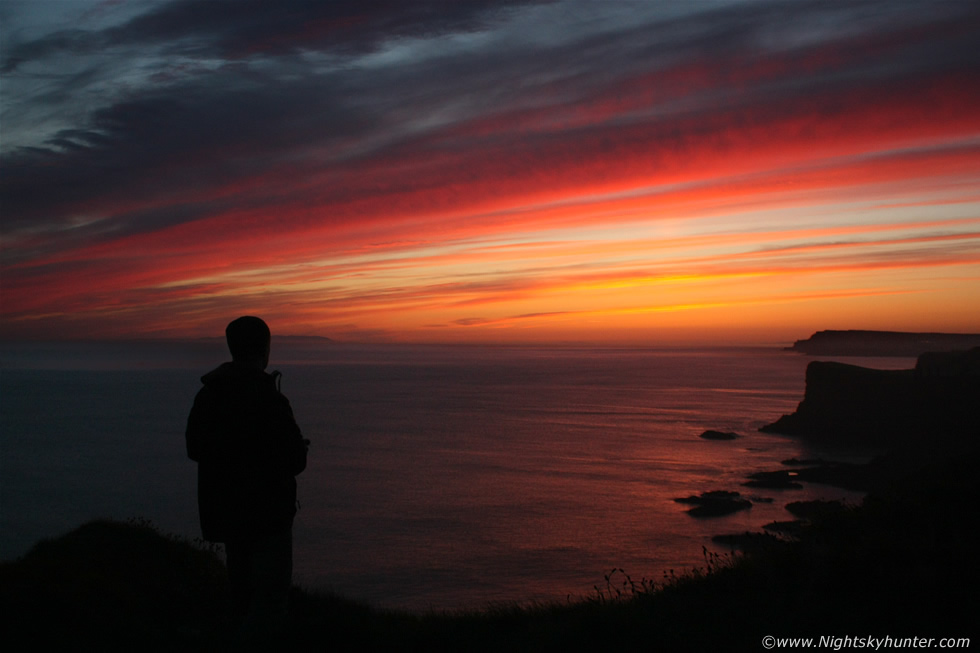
pixel 621 174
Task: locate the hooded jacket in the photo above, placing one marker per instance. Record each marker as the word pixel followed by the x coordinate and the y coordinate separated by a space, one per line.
pixel 249 449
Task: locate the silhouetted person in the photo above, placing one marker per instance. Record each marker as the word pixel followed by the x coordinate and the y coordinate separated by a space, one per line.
pixel 242 433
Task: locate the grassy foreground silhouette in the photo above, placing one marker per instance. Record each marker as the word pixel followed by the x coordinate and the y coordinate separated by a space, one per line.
pixel 903 564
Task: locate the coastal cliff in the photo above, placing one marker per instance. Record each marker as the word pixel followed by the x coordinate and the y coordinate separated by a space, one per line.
pixel 882 343
pixel 940 398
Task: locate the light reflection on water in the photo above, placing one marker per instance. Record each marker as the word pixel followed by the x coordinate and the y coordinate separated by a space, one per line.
pixel 439 477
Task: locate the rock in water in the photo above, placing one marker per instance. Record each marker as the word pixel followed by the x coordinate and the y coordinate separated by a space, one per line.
pixel 718 435
pixel 715 503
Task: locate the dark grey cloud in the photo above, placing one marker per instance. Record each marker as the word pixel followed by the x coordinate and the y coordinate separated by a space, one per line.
pixel 210 130
pixel 238 28
pixel 233 29
pixel 189 125
pixel 221 117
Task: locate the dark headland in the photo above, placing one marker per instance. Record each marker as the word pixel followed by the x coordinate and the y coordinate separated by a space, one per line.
pixel 937 402
pixel 882 343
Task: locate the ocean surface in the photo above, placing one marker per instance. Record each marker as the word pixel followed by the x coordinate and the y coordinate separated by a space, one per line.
pixel 439 477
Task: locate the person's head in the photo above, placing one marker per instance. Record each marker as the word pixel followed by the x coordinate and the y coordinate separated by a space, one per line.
pixel 249 340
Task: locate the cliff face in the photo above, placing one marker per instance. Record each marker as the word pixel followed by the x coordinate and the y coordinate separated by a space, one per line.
pixel 940 398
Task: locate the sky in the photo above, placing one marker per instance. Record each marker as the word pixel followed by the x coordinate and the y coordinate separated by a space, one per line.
pixel 489 171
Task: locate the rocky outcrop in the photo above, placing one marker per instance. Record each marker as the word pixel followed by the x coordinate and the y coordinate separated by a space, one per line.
pixel 814 509
pixel 847 402
pixel 715 503
pixel 783 479
pixel 718 435
pixel 857 404
pixel 883 343
pixel 938 365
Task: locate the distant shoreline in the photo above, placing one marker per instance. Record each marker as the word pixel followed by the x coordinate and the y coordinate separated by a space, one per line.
pixel 882 343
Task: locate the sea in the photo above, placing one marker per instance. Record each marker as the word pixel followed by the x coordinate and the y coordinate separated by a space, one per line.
pixel 440 477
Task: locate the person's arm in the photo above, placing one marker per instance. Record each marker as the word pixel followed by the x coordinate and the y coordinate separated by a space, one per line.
pixel 287 447
pixel 200 427
pixel 296 445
